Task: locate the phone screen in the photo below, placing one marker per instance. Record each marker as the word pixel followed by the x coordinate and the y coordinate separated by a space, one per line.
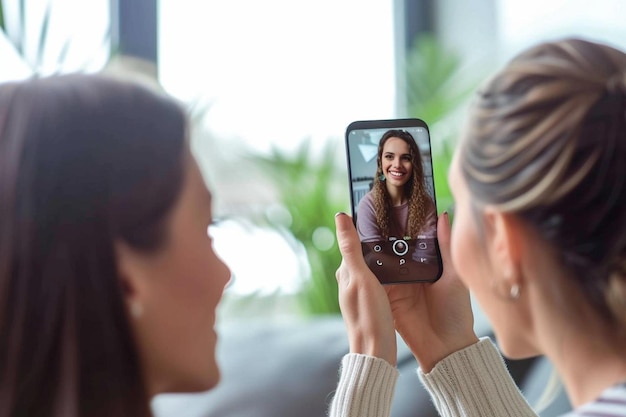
pixel 393 198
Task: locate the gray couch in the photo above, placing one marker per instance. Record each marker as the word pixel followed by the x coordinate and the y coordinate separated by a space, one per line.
pixel 290 368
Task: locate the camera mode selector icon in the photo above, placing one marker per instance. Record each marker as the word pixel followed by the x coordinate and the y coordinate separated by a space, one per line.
pixel 423 245
pixel 400 247
pixel 377 248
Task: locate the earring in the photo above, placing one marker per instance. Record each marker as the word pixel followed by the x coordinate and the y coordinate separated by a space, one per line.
pixel 514 292
pixel 507 288
pixel 382 178
pixel 136 310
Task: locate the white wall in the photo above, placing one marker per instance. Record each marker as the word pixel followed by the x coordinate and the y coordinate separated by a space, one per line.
pixel 279 71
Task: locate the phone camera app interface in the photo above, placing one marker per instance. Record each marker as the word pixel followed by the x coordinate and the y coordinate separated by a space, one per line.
pixel 394 202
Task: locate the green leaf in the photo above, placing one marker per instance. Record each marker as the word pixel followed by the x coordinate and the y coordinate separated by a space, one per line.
pixel 18 38
pixel 2 24
pixel 312 188
pixel 19 42
pixel 63 54
pixel 437 86
pixel 433 75
pixel 441 165
pixel 43 36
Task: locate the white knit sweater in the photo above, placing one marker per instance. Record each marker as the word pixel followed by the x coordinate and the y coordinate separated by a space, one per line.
pixel 472 382
pixel 365 388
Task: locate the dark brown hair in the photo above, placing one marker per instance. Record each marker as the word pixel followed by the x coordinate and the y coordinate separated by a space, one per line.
pixel 547 140
pixel 85 160
pixel 414 189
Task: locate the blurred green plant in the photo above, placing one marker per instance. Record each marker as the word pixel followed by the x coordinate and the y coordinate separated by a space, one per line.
pixel 35 59
pixel 312 189
pixel 2 24
pixel 438 88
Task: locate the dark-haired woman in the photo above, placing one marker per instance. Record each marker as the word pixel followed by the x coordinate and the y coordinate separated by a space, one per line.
pixel 108 278
pixel 539 237
pixel 399 206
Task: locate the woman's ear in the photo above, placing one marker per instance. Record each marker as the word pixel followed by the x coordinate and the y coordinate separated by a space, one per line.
pixel 130 274
pixel 505 246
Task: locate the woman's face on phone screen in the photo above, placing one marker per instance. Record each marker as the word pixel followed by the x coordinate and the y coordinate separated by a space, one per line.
pixel 396 162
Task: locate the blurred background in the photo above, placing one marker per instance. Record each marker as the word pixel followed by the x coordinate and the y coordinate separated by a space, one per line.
pixel 271 86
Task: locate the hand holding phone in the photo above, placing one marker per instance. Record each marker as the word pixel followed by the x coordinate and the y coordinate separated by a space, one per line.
pixel 393 199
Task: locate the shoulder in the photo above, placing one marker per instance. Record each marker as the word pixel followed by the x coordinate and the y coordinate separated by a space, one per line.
pixel 430 203
pixel 367 202
pixel 611 403
pixel 368 197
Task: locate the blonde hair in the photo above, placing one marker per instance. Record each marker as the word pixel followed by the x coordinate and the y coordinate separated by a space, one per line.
pixel 547 140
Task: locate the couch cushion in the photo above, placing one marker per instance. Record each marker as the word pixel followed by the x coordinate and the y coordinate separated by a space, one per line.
pixel 286 368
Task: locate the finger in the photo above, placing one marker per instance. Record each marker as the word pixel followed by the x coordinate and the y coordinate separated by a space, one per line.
pixel 348 241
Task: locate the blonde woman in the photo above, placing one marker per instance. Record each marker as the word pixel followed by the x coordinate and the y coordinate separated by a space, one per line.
pixel 539 237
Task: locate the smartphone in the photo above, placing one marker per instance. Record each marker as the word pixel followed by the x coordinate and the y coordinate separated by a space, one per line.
pixel 392 195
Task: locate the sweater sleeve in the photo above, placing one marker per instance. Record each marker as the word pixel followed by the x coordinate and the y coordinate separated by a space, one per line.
pixel 365 389
pixel 475 382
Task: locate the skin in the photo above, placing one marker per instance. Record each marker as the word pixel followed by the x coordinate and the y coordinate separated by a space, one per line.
pixel 493 250
pixel 178 289
pixel 397 168
pixel 490 256
pixel 432 319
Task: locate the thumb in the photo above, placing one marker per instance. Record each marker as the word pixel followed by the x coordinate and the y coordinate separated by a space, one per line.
pixel 348 241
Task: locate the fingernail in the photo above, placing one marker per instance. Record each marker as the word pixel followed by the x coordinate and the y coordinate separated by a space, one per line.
pixel 339 213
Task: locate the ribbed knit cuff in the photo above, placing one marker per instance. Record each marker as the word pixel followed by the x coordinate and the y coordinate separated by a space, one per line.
pixel 365 388
pixel 475 382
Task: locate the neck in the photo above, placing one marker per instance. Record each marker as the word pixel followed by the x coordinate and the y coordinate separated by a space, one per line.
pixel 587 354
pixel 555 318
pixel 593 366
pixel 396 195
